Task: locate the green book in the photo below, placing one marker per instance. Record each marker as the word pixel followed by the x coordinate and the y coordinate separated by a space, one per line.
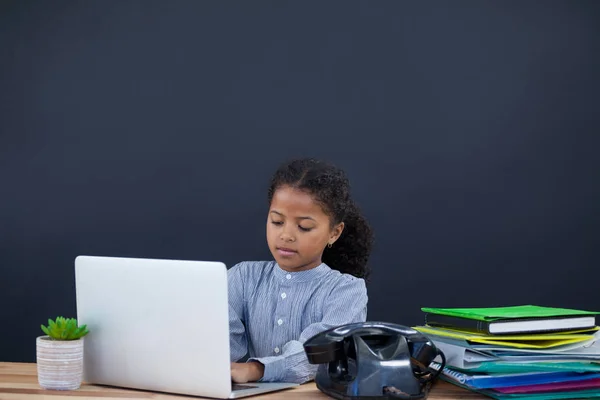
pixel 512 319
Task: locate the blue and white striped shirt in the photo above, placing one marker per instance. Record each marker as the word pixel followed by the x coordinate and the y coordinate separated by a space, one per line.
pixel 272 312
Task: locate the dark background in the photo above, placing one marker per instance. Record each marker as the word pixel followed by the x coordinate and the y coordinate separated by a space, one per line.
pixel 469 129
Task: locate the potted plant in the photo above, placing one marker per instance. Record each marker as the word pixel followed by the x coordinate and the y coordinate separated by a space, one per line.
pixel 60 354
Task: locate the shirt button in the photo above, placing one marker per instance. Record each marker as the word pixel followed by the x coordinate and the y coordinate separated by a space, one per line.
pixel 279 322
pixel 283 295
pixel 276 349
pixel 288 276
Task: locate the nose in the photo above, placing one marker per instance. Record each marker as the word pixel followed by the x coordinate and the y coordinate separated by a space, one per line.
pixel 287 237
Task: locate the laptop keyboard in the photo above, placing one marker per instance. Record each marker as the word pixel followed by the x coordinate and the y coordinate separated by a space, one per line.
pixel 237 386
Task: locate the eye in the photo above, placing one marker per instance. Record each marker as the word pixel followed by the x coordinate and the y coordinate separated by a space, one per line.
pixel 304 229
pixel 277 222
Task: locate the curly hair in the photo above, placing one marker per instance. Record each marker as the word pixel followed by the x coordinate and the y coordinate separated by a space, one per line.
pixel 330 187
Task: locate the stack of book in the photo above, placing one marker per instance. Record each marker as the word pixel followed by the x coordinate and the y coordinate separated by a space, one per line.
pixel 518 352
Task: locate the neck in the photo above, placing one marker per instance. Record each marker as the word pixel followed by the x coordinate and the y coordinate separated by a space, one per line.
pixel 304 267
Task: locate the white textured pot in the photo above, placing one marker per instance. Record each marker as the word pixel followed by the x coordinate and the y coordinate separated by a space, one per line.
pixel 59 363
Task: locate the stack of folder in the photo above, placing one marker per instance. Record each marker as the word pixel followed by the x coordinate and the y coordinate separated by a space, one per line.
pixel 518 352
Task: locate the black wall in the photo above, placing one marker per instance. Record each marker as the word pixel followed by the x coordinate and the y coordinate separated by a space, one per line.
pixel 470 130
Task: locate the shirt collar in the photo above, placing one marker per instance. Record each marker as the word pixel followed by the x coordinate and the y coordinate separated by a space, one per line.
pixel 301 276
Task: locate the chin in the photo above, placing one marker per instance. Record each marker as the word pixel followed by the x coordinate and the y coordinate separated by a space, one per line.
pixel 286 263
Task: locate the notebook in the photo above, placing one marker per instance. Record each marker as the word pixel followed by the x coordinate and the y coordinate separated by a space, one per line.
pixel 484 381
pixel 158 325
pixel 512 319
pixel 568 394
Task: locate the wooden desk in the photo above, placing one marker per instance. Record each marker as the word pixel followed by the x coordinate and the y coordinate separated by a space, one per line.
pixel 18 381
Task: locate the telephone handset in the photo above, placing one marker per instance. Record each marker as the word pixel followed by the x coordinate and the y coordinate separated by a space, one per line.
pixel 373 359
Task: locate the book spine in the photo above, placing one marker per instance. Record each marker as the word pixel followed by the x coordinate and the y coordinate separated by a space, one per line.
pixel 446 321
pixel 454 375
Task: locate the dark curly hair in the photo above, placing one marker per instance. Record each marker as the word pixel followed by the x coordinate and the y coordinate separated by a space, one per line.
pixel 330 187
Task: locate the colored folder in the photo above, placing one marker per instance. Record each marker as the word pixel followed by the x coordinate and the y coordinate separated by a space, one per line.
pixel 530 341
pixel 552 387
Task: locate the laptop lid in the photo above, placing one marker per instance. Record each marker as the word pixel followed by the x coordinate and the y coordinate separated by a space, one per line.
pixel 159 325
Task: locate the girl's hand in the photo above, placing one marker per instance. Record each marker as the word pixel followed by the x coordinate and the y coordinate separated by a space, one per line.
pixel 246 372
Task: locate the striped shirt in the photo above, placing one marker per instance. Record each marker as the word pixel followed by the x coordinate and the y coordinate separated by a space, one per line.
pixel 272 312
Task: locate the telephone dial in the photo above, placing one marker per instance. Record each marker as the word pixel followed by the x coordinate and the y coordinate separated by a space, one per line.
pixel 373 360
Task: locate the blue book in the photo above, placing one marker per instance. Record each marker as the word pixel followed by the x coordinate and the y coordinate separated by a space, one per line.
pixel 484 381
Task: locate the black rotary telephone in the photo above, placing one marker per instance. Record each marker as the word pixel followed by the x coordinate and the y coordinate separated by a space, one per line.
pixel 373 360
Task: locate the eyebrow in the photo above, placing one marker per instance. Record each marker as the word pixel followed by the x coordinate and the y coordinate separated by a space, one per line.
pixel 280 214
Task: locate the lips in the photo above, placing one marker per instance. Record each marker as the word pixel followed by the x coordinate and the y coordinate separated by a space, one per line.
pixel 285 252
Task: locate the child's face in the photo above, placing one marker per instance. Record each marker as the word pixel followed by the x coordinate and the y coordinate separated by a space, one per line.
pixel 298 230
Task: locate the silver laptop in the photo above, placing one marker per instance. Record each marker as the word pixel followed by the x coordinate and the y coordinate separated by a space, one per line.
pixel 158 325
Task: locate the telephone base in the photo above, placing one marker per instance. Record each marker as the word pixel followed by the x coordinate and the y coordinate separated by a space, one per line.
pixel 372 360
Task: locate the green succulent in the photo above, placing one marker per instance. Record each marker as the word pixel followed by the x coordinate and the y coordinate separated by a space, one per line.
pixel 64 329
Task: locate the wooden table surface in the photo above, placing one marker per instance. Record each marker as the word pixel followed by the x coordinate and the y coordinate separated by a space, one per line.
pixel 18 381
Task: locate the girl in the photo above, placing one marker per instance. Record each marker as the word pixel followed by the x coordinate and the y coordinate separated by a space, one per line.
pixel 320 243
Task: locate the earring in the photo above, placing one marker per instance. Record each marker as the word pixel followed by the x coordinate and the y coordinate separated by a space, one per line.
pixel 329 245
